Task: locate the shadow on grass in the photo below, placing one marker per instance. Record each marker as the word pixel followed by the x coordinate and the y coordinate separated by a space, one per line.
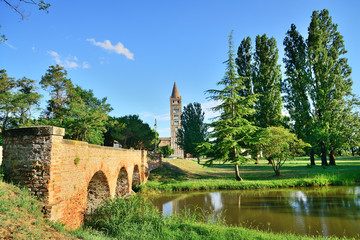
pixel 168 172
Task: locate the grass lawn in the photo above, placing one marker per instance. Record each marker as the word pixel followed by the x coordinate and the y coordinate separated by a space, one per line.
pixel 21 217
pixel 187 175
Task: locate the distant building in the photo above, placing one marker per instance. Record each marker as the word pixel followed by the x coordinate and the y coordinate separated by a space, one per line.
pixel 164 141
pixel 175 120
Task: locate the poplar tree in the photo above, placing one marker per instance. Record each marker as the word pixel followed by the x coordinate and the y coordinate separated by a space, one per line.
pixel 244 66
pixel 296 87
pixel 232 131
pixel 330 82
pixel 266 81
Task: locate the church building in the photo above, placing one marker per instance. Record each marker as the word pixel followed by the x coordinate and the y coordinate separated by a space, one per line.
pixel 175 123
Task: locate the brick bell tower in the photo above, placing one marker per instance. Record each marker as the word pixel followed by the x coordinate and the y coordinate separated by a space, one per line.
pixel 175 120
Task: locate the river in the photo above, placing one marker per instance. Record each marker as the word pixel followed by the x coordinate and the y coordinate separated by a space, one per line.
pixel 327 211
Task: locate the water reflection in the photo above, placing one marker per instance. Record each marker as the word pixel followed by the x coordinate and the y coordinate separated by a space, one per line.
pixel 316 211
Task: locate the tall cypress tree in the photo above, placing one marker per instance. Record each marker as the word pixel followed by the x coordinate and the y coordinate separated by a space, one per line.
pixel 330 82
pixel 266 80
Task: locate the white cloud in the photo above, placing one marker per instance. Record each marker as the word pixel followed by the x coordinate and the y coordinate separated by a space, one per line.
pixel 118 48
pixel 56 57
pixel 69 62
pixel 85 65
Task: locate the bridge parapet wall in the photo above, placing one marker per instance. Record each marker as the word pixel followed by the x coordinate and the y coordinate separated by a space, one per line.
pixel 71 177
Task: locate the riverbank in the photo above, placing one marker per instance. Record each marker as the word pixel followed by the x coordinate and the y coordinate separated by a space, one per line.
pixel 21 217
pixel 186 175
pixel 134 218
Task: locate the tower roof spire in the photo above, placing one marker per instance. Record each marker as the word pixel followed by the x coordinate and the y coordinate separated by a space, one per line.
pixel 175 92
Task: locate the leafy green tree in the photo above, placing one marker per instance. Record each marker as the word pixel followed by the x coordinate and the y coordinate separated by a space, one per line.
pixel 7 98
pixel 343 129
pixel 84 116
pixel 59 86
pixel 166 151
pixel 330 82
pixel 232 131
pixel 28 99
pixel 280 145
pixel 193 129
pixel 17 100
pixel 266 81
pixel 296 87
pixel 87 116
pixel 131 132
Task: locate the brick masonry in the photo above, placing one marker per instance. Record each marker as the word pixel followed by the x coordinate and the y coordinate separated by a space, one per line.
pixel 71 177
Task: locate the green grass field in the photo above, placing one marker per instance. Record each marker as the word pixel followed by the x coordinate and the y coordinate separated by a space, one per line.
pixel 187 175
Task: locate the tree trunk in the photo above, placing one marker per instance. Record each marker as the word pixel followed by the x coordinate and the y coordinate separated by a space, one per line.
pixel 323 154
pixel 257 160
pixel 237 173
pixel 198 160
pixel 312 157
pixel 332 157
pixel 353 152
pixel 277 172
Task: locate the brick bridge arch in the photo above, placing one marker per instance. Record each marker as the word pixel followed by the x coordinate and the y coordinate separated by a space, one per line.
pixel 71 177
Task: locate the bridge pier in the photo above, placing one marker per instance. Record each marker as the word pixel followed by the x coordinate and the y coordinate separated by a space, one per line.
pixel 71 177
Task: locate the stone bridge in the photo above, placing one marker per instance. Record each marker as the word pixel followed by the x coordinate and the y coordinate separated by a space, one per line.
pixel 71 177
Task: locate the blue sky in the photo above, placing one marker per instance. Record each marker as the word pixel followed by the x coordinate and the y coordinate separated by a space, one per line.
pixel 132 52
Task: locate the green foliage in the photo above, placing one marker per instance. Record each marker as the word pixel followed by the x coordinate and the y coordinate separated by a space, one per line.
pixel 18 98
pixel 88 116
pixel 77 110
pixel 330 82
pixel 193 130
pixel 76 161
pixel 131 132
pixel 280 145
pixel 296 84
pixel 2 37
pixel 166 151
pixel 1 173
pixel 232 131
pixel 59 86
pixel 244 66
pixel 266 81
pixel 117 215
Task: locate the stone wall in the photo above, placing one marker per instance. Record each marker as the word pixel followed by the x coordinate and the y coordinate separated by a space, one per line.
pixel 71 177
